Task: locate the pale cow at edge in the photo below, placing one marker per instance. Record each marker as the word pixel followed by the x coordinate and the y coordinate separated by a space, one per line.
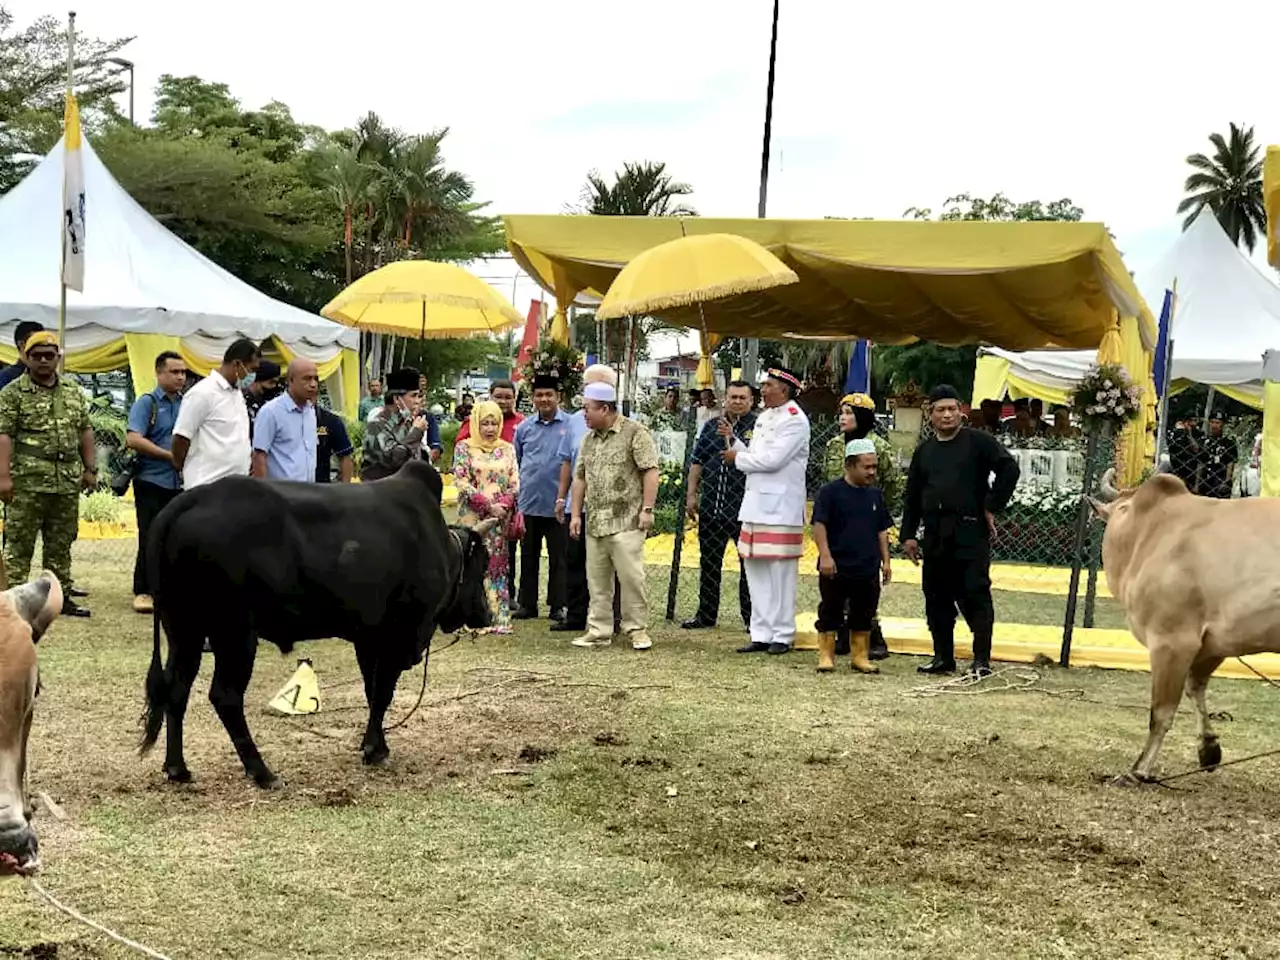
pixel 1197 578
pixel 26 612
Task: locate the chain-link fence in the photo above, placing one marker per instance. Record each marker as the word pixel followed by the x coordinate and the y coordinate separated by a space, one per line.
pixel 694 564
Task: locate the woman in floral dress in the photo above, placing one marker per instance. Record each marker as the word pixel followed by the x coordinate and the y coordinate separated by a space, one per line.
pixel 487 481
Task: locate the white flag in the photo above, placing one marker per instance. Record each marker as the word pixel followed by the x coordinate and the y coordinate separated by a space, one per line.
pixel 72 199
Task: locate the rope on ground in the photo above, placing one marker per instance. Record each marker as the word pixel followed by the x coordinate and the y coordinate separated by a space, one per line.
pixel 1002 680
pixel 1229 763
pixel 81 918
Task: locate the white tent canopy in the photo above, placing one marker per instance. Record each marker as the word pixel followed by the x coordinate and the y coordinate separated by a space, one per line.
pixel 1227 316
pixel 139 277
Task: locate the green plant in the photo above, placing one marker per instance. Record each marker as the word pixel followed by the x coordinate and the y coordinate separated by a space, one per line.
pixel 101 506
pixel 109 424
pixel 355 433
pixel 448 437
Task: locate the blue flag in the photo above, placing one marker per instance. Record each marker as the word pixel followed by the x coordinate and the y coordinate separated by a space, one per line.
pixel 859 378
pixel 1160 364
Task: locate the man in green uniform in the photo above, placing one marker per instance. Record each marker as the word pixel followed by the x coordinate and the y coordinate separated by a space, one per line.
pixel 46 458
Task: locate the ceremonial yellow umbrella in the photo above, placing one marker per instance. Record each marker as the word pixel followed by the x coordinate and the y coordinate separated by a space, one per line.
pixel 691 271
pixel 422 299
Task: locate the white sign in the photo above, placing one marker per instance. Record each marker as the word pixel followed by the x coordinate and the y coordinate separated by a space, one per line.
pixel 671 445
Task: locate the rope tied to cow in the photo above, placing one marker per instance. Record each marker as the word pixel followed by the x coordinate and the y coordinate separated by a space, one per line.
pixel 79 917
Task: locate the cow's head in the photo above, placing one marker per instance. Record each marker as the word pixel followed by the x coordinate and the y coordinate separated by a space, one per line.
pixel 25 614
pixel 468 605
pixel 1126 511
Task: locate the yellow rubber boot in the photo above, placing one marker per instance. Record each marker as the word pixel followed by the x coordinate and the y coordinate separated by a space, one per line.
pixel 826 652
pixel 859 647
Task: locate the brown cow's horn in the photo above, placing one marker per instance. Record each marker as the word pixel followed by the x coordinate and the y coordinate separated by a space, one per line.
pixel 1106 486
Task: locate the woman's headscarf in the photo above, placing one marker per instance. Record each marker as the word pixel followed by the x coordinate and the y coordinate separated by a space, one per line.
pixel 479 413
pixel 864 414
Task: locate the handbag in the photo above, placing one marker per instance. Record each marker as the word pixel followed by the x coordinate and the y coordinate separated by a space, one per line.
pixel 131 463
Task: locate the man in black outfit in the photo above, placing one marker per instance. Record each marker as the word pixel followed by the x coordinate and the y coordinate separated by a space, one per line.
pixel 948 489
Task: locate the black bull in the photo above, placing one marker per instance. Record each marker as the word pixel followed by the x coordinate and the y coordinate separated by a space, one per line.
pixel 242 559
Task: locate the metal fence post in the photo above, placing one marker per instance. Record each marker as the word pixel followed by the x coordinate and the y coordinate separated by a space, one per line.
pixel 673 585
pixel 1078 546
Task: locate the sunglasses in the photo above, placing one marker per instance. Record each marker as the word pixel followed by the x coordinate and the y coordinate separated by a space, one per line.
pixel 42 356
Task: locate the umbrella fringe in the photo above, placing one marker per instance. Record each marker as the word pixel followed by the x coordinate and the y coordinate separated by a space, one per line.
pixel 674 301
pixel 335 310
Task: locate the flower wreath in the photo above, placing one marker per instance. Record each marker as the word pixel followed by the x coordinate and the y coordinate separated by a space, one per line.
pixel 555 360
pixel 1105 397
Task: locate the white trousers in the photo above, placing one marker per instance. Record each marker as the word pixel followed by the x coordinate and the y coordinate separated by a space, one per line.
pixel 773 599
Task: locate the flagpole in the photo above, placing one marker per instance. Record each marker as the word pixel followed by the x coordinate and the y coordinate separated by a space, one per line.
pixel 62 272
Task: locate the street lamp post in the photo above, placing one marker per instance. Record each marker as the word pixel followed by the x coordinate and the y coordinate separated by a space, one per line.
pixel 750 354
pixel 126 65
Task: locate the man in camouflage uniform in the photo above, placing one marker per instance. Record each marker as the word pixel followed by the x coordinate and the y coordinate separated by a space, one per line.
pixel 46 457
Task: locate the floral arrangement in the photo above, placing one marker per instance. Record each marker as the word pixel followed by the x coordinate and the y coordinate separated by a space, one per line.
pixel 557 360
pixel 1105 398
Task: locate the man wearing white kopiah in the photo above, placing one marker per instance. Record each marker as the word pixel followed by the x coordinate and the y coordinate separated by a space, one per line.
pixel 772 514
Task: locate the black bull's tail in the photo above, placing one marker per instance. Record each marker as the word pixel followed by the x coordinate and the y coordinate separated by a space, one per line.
pixel 158 559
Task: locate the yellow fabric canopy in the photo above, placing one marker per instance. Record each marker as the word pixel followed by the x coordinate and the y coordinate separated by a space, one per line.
pixel 1271 200
pixel 1016 285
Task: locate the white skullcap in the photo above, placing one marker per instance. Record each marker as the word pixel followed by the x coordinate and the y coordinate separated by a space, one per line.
pixel 600 391
pixel 855 448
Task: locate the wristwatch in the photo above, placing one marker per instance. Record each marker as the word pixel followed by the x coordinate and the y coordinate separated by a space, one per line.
pixel 646 509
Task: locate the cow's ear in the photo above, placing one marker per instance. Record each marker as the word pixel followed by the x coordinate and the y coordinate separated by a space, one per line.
pixel 38 602
pixel 1100 510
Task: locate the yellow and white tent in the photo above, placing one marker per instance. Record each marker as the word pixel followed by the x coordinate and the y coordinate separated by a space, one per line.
pixel 145 290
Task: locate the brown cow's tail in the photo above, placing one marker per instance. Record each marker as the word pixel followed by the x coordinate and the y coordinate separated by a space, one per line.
pixel 157 689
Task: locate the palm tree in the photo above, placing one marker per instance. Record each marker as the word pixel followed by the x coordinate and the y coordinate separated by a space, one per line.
pixel 1230 184
pixel 349 182
pixel 638 190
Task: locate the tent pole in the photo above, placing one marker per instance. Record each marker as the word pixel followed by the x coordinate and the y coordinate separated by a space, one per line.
pixel 1208 403
pixel 62 272
pixel 750 349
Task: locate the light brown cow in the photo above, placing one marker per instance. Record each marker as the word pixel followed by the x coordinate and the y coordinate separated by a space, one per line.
pixel 25 614
pixel 1199 580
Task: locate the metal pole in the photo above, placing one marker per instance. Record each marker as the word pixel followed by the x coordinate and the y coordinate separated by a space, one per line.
pixel 62 271
pixel 1078 545
pixel 750 349
pixel 1162 417
pixel 1208 403
pixel 131 122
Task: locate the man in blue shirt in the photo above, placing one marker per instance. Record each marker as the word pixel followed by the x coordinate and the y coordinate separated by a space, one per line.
pixel 21 333
pixel 156 482
pixel 284 434
pixel 537 442
pixel 722 488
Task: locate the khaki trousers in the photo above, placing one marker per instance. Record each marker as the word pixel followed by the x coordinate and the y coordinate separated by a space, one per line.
pixel 621 555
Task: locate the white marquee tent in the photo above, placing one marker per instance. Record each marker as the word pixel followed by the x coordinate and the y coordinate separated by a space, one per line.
pixel 1227 316
pixel 145 289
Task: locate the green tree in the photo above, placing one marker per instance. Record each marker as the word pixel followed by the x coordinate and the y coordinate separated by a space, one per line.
pixel 33 82
pixel 443 361
pixel 963 206
pixel 638 190
pixel 1230 184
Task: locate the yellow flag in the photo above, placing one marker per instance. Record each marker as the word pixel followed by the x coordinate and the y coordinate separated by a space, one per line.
pixel 73 233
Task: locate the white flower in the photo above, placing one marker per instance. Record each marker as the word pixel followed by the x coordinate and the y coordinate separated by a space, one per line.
pixel 1100 396
pixel 1106 384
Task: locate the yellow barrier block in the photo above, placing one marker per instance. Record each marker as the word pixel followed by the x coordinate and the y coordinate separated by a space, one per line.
pixel 1023 643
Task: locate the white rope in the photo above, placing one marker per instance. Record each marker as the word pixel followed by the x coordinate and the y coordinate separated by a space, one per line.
pixel 76 915
pixel 1005 678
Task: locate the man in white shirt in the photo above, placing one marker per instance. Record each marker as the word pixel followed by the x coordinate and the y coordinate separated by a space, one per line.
pixel 211 437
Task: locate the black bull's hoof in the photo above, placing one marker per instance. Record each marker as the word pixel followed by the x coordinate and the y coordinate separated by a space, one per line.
pixel 375 754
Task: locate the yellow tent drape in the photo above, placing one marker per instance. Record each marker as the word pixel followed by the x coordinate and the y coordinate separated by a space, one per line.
pixel 100 359
pixel 706 372
pixel 1131 450
pixel 1271 424
pixel 142 350
pixel 559 331
pixel 1271 200
pixel 326 369
pixel 990 378
pixel 1111 350
pixel 350 402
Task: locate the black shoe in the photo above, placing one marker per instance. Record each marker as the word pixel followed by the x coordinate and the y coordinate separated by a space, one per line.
pixel 565 626
pixel 697 623
pixel 70 609
pixel 558 616
pixel 980 668
pixel 77 592
pixel 754 647
pixel 778 649
pixel 879 649
pixel 520 613
pixel 842 643
pixel 938 667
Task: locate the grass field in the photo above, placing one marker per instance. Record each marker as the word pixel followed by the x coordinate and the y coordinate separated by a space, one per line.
pixel 558 803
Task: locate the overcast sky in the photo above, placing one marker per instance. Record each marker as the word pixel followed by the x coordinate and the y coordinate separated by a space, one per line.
pixel 878 106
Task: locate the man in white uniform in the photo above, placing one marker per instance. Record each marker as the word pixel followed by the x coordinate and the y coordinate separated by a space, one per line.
pixel 772 514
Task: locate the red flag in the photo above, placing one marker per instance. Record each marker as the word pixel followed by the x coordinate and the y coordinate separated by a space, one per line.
pixel 530 341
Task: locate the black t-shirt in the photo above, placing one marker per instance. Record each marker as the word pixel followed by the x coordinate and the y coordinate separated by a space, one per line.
pixel 1217 455
pixel 854 517
pixel 332 441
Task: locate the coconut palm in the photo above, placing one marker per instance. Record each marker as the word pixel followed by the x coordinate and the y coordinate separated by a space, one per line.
pixel 638 190
pixel 348 182
pixel 1230 184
